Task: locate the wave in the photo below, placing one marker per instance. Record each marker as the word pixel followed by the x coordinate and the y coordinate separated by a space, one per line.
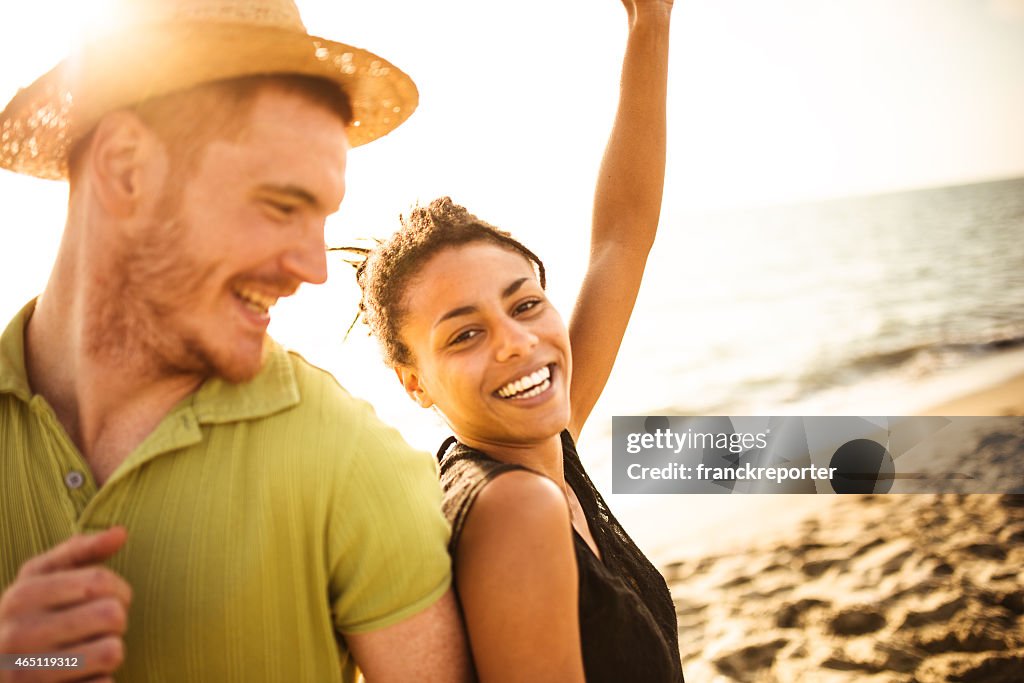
pixel 885 360
pixel 912 362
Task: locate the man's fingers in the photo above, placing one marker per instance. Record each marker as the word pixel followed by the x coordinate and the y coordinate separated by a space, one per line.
pixel 64 589
pixel 100 658
pixel 77 551
pixel 99 618
pixel 63 599
pixel 50 631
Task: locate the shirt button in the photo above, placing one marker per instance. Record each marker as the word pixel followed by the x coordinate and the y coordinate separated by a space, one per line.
pixel 74 479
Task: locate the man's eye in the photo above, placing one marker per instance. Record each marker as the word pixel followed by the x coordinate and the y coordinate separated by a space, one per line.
pixel 282 209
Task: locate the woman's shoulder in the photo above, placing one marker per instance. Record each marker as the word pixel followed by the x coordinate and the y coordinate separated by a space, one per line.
pixel 520 519
pixel 501 496
pixel 521 496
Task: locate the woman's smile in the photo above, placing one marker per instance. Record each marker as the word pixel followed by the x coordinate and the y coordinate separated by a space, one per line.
pixel 528 386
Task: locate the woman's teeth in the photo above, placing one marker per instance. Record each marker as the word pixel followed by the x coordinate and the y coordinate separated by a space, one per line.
pixel 529 386
pixel 536 391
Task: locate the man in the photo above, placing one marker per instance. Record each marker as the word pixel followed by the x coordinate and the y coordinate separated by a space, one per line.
pixel 180 498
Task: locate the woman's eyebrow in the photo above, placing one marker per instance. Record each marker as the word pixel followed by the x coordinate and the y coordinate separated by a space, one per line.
pixel 513 288
pixel 465 310
pixel 454 313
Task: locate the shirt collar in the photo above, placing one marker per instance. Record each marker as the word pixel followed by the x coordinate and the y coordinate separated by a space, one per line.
pixel 217 401
pixel 274 389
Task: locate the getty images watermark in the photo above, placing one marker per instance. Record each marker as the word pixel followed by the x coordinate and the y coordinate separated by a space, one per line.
pixel 672 454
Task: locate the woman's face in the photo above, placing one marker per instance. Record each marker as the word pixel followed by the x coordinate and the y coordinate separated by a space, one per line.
pixel 489 349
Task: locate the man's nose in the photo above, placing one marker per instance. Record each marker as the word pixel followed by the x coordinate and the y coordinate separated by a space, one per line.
pixel 307 260
pixel 514 340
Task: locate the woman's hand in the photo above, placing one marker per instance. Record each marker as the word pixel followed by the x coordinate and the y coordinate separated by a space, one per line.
pixel 636 8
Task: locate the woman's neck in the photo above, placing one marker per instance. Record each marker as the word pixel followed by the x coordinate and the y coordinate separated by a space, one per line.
pixel 543 456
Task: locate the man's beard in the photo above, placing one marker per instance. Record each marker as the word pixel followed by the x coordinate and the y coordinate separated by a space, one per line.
pixel 137 320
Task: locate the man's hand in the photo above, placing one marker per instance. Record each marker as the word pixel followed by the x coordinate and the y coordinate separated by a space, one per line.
pixel 64 602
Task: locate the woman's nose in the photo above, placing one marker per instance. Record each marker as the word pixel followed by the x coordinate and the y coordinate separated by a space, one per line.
pixel 514 340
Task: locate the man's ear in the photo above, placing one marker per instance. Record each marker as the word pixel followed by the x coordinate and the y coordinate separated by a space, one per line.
pixel 121 158
pixel 410 380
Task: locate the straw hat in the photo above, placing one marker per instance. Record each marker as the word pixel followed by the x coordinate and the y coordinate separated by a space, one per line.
pixel 160 46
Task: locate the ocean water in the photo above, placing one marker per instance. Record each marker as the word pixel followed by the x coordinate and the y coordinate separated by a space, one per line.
pixel 750 311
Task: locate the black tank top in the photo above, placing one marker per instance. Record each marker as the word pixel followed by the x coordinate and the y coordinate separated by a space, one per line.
pixel 628 623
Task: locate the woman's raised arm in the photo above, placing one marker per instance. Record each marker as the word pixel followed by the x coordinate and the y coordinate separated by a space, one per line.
pixel 627 205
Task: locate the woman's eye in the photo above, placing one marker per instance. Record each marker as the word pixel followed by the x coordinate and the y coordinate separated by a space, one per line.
pixel 525 306
pixel 462 337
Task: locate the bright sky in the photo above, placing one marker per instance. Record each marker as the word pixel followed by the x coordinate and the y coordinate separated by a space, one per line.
pixel 769 102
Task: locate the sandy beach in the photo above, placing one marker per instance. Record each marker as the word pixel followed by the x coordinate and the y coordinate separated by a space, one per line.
pixel 1005 398
pixel 896 589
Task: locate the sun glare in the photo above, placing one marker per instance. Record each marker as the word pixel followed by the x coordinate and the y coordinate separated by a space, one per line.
pixel 87 20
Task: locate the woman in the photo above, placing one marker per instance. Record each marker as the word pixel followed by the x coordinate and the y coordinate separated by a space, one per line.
pixel 551 587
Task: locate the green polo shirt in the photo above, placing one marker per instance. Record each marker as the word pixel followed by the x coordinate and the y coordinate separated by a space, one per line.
pixel 265 520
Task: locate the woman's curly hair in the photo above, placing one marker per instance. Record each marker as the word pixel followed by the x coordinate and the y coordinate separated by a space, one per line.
pixel 384 272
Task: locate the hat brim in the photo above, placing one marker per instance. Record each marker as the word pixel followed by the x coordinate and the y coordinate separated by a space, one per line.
pixel 43 121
